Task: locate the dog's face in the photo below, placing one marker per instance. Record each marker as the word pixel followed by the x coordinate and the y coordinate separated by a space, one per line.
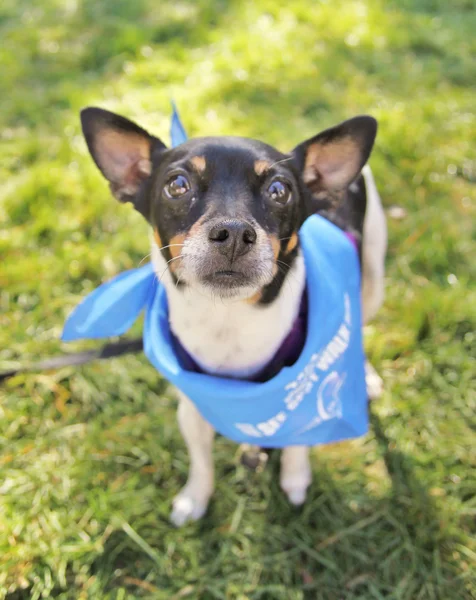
pixel 226 211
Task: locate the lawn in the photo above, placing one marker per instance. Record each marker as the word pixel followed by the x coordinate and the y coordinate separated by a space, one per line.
pixel 91 457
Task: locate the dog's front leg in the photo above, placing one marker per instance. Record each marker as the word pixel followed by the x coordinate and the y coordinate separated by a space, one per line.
pixel 192 501
pixel 295 474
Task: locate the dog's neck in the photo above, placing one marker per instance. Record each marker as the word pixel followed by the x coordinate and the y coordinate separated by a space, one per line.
pixel 231 338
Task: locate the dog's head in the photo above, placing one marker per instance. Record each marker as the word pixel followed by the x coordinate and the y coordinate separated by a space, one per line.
pixel 226 210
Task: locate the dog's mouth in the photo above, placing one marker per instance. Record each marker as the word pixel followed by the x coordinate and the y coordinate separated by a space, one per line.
pixel 227 279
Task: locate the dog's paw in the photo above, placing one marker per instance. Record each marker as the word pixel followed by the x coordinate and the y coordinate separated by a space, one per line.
pixel 373 382
pixel 295 475
pixel 188 505
pixel 295 486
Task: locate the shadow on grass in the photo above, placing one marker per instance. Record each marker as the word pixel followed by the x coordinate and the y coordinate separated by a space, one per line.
pixel 394 547
pixel 344 543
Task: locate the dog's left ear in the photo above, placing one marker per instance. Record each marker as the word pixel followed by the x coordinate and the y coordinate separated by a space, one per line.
pixel 331 160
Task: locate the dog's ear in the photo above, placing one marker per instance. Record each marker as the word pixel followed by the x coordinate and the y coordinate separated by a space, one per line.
pixel 331 160
pixel 123 151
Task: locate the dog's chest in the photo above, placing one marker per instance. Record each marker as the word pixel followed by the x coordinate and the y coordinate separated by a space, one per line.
pixel 229 340
pixel 235 338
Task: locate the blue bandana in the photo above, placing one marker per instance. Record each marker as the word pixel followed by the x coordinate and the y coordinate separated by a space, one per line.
pixel 321 398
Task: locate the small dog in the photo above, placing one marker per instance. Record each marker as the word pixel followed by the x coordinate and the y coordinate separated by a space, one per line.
pixel 225 214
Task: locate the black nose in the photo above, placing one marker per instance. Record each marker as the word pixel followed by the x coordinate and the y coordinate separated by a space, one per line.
pixel 233 238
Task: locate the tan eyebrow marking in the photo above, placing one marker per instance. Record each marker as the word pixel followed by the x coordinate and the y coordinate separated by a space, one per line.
pixel 261 166
pixel 199 163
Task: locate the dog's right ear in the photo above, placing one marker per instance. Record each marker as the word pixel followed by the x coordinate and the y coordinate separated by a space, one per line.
pixel 123 151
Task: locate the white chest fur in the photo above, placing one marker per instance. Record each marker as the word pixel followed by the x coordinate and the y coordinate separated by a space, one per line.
pixel 228 337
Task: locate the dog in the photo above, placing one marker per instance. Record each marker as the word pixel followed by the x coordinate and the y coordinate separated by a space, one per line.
pixel 225 213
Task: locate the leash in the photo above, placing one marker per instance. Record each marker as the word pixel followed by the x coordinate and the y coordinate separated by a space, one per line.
pixel 111 350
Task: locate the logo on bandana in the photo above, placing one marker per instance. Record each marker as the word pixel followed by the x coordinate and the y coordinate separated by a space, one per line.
pixel 329 405
pixel 328 401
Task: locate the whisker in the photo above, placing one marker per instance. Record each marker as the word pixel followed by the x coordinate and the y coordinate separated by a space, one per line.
pixel 159 278
pixel 281 161
pixel 288 269
pixel 283 263
pixel 145 258
pixel 170 246
pixel 162 248
pixel 167 266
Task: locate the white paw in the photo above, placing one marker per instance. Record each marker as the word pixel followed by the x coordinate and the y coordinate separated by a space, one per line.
pixel 297 496
pixel 373 382
pixel 295 487
pixel 188 506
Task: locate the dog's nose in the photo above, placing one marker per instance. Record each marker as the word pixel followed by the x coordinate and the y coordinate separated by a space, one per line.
pixel 233 238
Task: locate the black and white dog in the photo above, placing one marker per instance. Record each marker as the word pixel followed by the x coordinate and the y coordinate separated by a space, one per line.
pixel 225 214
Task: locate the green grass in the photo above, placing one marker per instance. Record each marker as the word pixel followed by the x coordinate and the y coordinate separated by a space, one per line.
pixel 90 458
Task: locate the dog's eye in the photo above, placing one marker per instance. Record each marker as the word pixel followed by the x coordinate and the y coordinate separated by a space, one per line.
pixel 177 186
pixel 279 191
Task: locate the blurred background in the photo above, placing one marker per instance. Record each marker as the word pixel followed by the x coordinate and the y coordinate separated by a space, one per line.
pixel 90 457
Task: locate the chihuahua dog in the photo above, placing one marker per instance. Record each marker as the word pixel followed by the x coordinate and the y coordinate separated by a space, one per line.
pixel 225 214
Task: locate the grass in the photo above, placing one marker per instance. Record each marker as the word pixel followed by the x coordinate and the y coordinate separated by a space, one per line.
pixel 91 457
